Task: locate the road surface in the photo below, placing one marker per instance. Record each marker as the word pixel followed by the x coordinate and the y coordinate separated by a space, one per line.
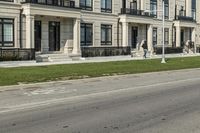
pixel 163 102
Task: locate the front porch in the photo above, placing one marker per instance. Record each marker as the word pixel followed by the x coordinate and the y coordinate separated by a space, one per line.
pixel 55 31
pixel 185 36
pixel 136 32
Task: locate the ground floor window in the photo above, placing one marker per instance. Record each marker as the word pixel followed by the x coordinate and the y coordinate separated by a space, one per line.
pixel 86 34
pixel 154 37
pixel 106 34
pixel 166 36
pixel 6 32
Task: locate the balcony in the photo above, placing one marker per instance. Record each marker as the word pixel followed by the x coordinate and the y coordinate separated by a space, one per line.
pixel 59 3
pixel 135 12
pixel 185 18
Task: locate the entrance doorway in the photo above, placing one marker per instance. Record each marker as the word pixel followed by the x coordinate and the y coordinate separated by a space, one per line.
pixel 134 36
pixel 38 36
pixel 54 36
pixel 182 38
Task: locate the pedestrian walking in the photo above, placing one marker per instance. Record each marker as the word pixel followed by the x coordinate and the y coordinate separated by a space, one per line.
pixel 145 48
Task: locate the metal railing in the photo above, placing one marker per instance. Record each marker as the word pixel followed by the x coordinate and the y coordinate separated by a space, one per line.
pixel 59 3
pixel 186 18
pixel 136 12
pixel 7 0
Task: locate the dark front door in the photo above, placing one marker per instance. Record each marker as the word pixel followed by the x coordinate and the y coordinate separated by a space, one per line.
pixel 134 36
pixel 54 36
pixel 38 35
pixel 182 38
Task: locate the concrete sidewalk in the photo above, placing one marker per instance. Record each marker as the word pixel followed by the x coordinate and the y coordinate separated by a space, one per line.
pixel 7 64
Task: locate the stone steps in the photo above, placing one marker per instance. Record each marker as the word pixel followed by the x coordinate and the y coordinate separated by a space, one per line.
pixel 57 57
pixel 52 58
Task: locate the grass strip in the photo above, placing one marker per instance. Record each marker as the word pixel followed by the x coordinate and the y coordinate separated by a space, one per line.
pixel 13 76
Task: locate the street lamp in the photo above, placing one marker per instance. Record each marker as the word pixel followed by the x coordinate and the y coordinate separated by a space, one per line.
pixel 163 27
pixel 163 46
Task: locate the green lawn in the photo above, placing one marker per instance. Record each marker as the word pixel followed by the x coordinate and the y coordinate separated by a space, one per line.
pixel 13 76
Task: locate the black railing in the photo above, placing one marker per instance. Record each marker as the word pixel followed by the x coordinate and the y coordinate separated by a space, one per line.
pixel 185 18
pixel 7 0
pixel 16 54
pixel 136 12
pixel 104 51
pixel 60 3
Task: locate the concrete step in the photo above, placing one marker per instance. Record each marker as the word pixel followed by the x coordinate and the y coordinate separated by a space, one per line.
pixel 59 57
pixel 136 53
pixel 53 58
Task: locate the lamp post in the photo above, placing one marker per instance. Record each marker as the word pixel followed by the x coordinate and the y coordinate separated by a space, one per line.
pixel 163 24
pixel 163 28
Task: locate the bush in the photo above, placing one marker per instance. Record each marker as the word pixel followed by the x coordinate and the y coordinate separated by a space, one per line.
pixel 169 50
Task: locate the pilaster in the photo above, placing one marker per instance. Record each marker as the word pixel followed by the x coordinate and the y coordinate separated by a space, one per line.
pixel 29 31
pixel 76 37
pixel 178 36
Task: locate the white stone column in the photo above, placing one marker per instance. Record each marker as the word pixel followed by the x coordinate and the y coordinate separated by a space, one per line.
pixel 29 31
pixel 178 36
pixel 76 37
pixel 194 38
pixel 150 38
pixel 124 34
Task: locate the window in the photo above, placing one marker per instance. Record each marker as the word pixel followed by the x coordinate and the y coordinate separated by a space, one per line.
pixel 154 37
pixel 166 36
pixel 182 12
pixel 167 9
pixel 106 6
pixel 86 34
pixel 86 4
pixel 194 9
pixel 133 5
pixel 106 34
pixel 6 32
pixel 153 7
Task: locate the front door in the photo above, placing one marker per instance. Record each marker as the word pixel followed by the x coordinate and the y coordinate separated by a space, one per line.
pixel 182 38
pixel 54 36
pixel 134 36
pixel 38 35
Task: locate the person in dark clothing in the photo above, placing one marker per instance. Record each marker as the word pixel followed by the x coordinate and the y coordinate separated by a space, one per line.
pixel 145 48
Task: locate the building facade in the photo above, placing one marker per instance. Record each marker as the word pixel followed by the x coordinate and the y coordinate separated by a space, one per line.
pixel 92 27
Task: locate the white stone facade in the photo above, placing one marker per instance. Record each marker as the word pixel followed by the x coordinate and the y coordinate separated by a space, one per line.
pixel 123 24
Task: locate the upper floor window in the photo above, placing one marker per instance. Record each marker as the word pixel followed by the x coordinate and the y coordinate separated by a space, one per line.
pixel 133 5
pixel 166 8
pixel 182 11
pixel 106 6
pixel 6 32
pixel 194 9
pixel 86 4
pixel 153 7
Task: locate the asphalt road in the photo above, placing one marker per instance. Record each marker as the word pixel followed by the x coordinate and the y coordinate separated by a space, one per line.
pixel 165 102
